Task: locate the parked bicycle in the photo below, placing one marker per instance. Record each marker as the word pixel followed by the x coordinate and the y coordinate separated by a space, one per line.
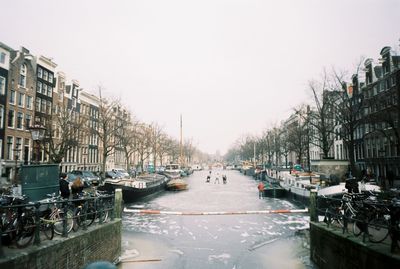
pixel 17 225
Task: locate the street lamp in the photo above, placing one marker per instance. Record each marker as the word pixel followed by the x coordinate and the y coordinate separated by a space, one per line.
pixel 84 160
pixel 16 150
pixel 37 132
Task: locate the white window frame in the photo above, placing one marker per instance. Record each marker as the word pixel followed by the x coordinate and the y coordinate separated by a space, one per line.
pixel 1 117
pixel 8 118
pixel 22 73
pixel 2 85
pixel 28 101
pixel 22 120
pixel 12 97
pixel 20 99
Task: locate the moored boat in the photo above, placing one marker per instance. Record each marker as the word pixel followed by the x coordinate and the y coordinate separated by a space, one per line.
pixel 139 187
pixel 177 184
pixel 273 189
pixel 299 187
pixel 172 171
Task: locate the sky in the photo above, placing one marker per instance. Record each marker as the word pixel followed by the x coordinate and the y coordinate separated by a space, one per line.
pixel 230 67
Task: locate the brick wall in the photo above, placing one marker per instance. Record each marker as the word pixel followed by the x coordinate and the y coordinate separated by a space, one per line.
pixel 100 242
pixel 330 249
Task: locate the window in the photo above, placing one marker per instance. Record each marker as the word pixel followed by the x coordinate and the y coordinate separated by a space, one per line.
pixel 44 89
pixel 12 97
pixel 40 72
pixel 22 76
pixel 43 106
pixel 39 87
pixel 20 118
pixel 2 85
pixel 48 107
pixel 28 120
pixel 45 74
pixel 1 117
pixel 10 142
pixel 28 102
pixel 18 145
pixel 37 107
pixel 10 118
pixel 49 91
pixel 21 98
pixel 2 57
pixel 50 77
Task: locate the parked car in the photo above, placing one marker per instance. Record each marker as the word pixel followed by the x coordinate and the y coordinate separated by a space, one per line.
pixel 121 172
pixel 112 175
pixel 88 177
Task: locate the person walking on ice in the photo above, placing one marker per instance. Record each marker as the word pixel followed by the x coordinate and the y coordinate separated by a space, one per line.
pixel 216 178
pixel 260 190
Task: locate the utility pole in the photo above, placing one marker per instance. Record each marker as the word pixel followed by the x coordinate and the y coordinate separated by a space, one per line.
pixel 180 143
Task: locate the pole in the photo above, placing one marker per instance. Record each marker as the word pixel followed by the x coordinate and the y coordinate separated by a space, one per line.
pixel 118 204
pixel 313 206
pixel 180 144
pixel 254 154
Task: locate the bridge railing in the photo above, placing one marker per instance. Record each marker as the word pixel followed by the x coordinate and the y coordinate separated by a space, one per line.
pixel 26 219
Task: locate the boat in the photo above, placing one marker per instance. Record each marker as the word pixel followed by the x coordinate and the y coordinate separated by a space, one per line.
pixel 273 189
pixel 172 171
pixel 177 184
pixel 299 187
pixel 136 188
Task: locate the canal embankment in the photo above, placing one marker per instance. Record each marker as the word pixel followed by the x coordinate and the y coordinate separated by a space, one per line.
pixel 98 242
pixel 330 248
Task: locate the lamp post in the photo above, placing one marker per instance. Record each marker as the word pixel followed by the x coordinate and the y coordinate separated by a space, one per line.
pixel 37 132
pixel 16 150
pixel 84 160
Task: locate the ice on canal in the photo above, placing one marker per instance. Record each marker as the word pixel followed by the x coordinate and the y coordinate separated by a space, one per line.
pixel 221 241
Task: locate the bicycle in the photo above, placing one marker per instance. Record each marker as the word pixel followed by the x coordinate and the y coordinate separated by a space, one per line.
pixel 56 215
pixel 16 224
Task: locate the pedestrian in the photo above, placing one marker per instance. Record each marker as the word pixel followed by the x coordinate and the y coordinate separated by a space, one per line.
pixel 208 178
pixel 77 187
pixel 64 186
pixel 216 178
pixel 224 179
pixel 260 190
pixel 351 185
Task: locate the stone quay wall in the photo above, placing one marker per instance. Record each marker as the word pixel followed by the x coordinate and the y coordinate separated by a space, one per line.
pixel 100 242
pixel 329 248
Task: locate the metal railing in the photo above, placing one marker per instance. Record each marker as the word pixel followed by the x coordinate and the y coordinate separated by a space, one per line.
pixel 53 211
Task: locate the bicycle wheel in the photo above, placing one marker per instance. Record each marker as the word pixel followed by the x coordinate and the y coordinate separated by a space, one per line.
pixel 58 218
pixel 86 219
pixel 356 228
pixel 333 217
pixel 47 228
pixel 105 209
pixel 25 231
pixel 378 229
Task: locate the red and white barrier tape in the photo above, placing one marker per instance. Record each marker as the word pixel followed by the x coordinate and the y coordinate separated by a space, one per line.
pixel 194 213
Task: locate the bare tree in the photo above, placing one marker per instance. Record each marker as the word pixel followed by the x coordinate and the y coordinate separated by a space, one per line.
pixel 321 119
pixel 108 127
pixel 349 106
pixel 64 130
pixel 143 143
pixel 155 141
pixel 128 139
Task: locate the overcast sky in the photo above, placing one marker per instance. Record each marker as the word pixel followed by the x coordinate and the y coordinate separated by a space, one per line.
pixel 229 67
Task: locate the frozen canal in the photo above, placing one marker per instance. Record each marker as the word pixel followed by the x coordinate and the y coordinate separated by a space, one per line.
pixel 223 241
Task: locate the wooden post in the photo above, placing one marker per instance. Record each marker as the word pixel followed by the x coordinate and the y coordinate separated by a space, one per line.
pixel 118 203
pixel 313 206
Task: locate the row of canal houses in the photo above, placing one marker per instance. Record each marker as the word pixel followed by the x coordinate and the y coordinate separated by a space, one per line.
pixel 31 88
pixel 374 93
